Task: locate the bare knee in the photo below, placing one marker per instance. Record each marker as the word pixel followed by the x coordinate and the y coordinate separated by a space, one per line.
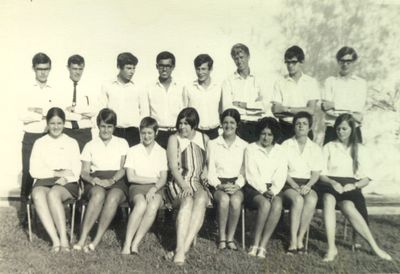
pixel 311 200
pixel 222 200
pixel 297 201
pixel 97 194
pixel 201 199
pixel 54 195
pixel 38 193
pixel 236 202
pixel 114 197
pixel 329 201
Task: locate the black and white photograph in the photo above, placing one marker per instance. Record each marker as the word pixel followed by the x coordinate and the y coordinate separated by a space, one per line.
pixel 200 136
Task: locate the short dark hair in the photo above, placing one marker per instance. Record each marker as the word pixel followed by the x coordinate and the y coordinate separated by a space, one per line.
pixel 272 124
pixel 303 114
pixel 231 112
pixel 237 48
pixel 107 116
pixel 126 58
pixel 190 115
pixel 55 111
pixel 346 50
pixel 165 55
pixel 294 52
pixel 76 59
pixel 149 122
pixel 40 58
pixel 203 58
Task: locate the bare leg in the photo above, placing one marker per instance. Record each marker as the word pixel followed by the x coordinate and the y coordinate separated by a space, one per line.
pixel 263 207
pixel 296 207
pixel 235 207
pixel 310 202
pixel 39 196
pixel 135 218
pixel 222 200
pixel 359 224
pixel 330 226
pixel 114 197
pixel 198 211
pixel 272 220
pixel 182 226
pixel 147 221
pixel 56 196
pixel 97 195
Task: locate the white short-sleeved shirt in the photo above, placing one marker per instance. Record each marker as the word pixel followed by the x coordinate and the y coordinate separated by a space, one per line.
pixel 147 164
pixel 347 93
pixel 300 164
pixel 262 167
pixel 226 161
pixel 165 105
pixel 338 161
pixel 127 100
pixel 50 154
pixel 206 101
pixel 105 156
pixel 290 93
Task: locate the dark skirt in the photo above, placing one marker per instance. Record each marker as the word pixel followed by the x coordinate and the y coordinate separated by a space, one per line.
pixel 106 174
pixel 299 181
pixel 355 195
pixel 135 189
pixel 249 194
pixel 72 188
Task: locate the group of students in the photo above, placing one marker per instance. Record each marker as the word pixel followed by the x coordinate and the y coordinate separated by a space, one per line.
pixel 257 160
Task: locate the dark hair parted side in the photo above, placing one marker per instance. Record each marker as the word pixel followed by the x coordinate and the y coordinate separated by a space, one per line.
pixel 294 52
pixel 40 58
pixel 272 124
pixel 76 60
pixel 53 112
pixel 303 114
pixel 237 48
pixel 107 116
pixel 231 112
pixel 353 139
pixel 126 58
pixel 190 115
pixel 203 58
pixel 149 122
pixel 345 51
pixel 165 55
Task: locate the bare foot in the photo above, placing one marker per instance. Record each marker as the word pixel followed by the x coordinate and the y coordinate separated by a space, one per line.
pixel 330 255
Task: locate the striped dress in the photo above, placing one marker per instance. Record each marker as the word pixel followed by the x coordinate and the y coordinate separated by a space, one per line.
pixel 192 159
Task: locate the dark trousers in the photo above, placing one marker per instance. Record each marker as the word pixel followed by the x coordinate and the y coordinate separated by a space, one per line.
pixel 27 145
pixel 211 133
pixel 330 134
pixel 247 131
pixel 130 134
pixel 163 136
pixel 81 135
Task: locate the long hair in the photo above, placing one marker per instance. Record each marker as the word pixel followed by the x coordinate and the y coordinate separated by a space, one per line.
pixel 353 139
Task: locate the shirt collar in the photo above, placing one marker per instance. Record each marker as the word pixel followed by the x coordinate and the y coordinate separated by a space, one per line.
pixel 116 80
pixel 221 141
pixel 197 84
pixel 37 84
pixel 236 75
pixel 158 83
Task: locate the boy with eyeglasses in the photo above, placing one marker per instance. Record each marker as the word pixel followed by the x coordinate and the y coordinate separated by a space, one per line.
pixel 344 93
pixel 165 97
pixel 294 92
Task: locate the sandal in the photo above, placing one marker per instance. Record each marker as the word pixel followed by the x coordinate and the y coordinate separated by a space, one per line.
pixel 55 249
pixel 253 250
pixel 262 252
pixel 222 244
pixel 302 250
pixel 88 248
pixel 232 245
pixel 291 252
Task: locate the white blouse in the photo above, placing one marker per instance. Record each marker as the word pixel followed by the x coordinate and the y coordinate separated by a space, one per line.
pixel 300 164
pixel 226 161
pixel 105 156
pixel 50 154
pixel 338 161
pixel 262 167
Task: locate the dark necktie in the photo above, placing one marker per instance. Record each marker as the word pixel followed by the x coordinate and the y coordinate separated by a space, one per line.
pixel 73 122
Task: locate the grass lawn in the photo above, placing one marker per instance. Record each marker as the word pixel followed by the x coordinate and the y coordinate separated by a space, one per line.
pixel 18 255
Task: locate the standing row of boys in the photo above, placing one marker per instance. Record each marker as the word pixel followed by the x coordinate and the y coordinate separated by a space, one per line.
pixel 244 103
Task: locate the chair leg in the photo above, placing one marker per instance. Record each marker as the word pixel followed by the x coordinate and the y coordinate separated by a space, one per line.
pixel 243 228
pixel 28 212
pixel 83 208
pixel 72 222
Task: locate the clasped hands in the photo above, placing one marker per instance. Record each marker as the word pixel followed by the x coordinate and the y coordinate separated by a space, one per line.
pixel 229 188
